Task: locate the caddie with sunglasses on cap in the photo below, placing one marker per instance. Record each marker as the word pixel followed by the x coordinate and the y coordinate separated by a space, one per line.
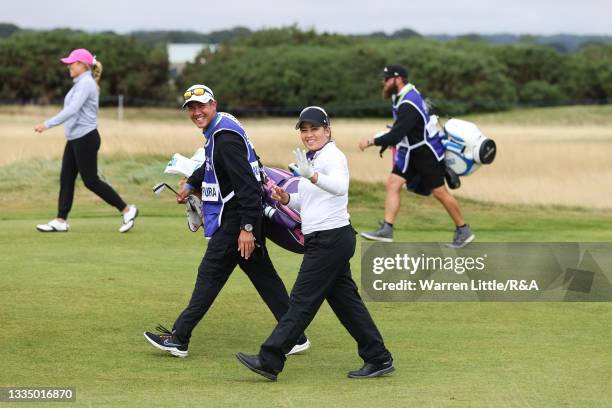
pixel 418 156
pixel 233 222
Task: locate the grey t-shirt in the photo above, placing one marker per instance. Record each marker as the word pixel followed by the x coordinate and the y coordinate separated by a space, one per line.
pixel 79 115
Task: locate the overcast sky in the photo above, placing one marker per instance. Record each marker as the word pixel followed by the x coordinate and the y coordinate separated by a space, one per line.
pixel 357 16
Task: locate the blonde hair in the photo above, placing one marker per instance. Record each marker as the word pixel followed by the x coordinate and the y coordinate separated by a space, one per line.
pixel 96 72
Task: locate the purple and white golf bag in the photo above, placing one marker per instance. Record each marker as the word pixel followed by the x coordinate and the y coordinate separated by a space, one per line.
pixel 283 225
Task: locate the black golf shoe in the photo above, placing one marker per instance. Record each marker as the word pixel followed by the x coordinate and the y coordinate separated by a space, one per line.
pixel 253 363
pixel 370 370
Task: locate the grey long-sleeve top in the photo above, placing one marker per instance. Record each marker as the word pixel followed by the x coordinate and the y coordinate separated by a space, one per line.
pixel 80 112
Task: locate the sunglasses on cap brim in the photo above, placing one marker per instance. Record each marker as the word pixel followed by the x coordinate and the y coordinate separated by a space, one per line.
pixel 196 92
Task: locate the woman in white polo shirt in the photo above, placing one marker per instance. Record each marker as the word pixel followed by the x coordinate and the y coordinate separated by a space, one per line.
pixel 325 273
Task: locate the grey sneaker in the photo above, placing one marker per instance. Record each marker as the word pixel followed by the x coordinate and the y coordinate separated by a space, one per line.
pixel 462 237
pixel 383 234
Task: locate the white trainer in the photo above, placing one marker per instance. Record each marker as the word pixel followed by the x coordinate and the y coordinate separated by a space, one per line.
pixel 128 218
pixel 298 348
pixel 53 226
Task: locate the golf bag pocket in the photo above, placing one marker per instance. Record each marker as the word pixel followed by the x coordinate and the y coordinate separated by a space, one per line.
pixel 401 156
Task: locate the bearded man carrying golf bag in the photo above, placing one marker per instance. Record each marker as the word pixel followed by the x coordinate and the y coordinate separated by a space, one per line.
pixel 233 222
pixel 418 157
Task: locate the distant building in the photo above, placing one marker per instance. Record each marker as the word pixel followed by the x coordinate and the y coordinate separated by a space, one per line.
pixel 180 54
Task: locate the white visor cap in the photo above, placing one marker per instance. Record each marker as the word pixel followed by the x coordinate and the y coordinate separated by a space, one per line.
pixel 199 93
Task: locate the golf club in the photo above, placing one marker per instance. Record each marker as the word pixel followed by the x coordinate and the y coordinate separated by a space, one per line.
pixel 159 187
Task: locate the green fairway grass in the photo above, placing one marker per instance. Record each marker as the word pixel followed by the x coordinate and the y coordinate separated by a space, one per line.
pixel 74 306
pixel 590 115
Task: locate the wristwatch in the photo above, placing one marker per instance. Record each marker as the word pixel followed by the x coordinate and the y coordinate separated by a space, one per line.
pixel 247 227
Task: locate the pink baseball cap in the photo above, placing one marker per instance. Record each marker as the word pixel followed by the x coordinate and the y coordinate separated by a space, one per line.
pixel 80 54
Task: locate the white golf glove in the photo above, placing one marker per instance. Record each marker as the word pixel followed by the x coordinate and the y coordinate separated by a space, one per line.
pixel 304 167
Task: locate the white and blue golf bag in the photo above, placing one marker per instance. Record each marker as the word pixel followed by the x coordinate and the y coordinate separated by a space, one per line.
pixel 467 148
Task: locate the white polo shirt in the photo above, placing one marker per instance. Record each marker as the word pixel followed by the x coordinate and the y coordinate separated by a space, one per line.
pixel 323 206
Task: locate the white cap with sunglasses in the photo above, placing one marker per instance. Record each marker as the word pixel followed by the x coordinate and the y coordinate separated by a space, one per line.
pixel 198 93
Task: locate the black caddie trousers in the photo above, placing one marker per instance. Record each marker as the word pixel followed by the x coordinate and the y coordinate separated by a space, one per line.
pixel 325 273
pixel 220 259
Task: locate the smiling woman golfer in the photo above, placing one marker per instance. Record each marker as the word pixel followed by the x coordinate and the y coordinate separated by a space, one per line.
pixel 79 117
pixel 325 273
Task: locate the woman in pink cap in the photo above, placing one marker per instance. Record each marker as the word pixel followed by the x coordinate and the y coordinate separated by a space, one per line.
pixel 79 117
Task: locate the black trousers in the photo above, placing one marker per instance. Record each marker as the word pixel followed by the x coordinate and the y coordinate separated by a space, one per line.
pixel 325 274
pixel 81 156
pixel 219 261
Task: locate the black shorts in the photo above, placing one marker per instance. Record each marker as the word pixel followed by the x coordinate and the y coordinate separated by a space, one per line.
pixel 424 163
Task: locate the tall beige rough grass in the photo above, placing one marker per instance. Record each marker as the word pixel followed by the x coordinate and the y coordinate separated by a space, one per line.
pixel 543 164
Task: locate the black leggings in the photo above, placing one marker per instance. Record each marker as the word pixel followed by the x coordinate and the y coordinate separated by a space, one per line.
pixel 81 156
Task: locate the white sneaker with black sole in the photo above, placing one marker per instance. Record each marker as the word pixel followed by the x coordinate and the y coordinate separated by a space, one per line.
pixel 128 218
pixel 53 226
pixel 298 348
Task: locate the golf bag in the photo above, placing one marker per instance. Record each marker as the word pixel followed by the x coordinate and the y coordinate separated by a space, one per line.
pixel 282 224
pixel 466 149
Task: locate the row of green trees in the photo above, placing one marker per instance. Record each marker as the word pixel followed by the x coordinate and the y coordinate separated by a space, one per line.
pixel 286 69
pixel 282 70
pixel 30 69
